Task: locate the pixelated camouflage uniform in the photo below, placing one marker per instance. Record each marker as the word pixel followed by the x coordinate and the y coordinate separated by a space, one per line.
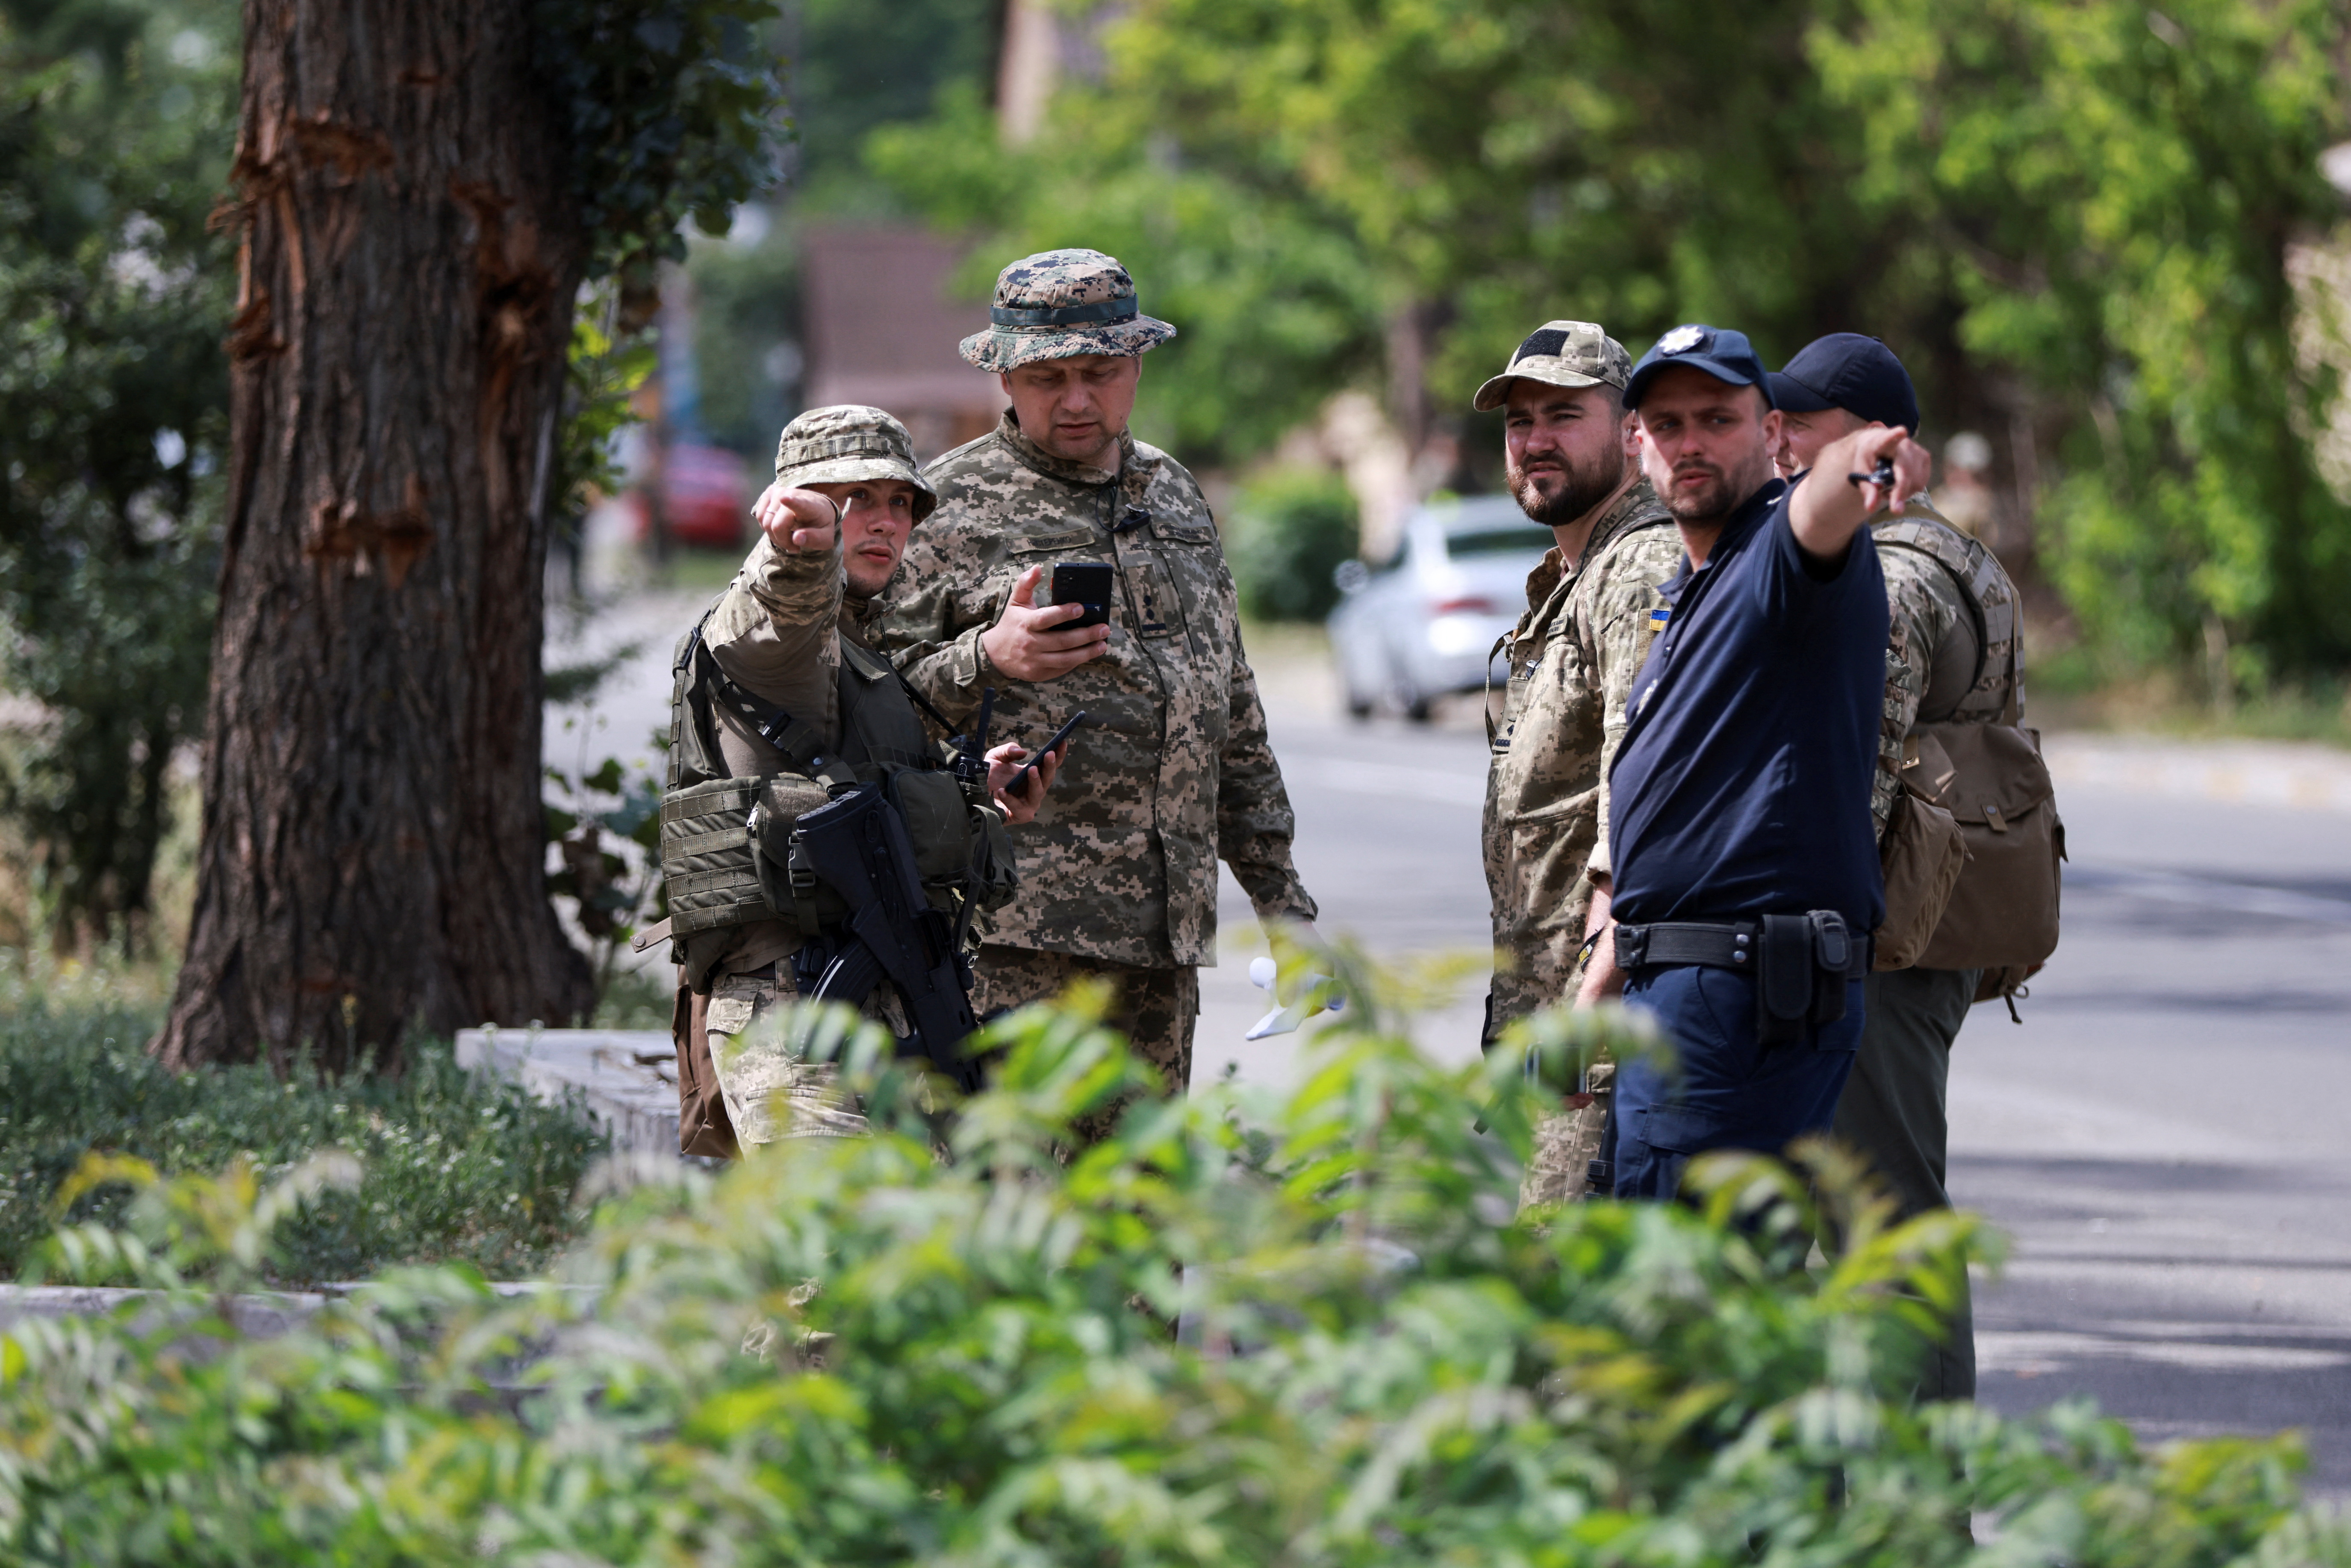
pixel 778 631
pixel 1943 666
pixel 1172 769
pixel 1571 656
pixel 1573 659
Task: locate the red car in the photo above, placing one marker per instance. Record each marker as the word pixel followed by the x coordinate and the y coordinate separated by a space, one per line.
pixel 706 498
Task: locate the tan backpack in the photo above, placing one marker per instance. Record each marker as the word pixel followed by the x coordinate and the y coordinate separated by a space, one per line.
pixel 1971 855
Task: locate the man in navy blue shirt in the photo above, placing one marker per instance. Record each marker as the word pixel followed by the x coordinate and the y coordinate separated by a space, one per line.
pixel 1746 873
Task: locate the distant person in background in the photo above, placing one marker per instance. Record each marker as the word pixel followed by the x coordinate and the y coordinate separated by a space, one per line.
pixel 1592 603
pixel 1746 878
pixel 1953 620
pixel 1964 487
pixel 1173 769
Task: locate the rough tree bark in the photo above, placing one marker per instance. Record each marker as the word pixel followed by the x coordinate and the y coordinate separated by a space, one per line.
pixel 371 853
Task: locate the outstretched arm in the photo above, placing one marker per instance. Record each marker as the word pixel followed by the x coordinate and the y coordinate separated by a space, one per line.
pixel 1829 507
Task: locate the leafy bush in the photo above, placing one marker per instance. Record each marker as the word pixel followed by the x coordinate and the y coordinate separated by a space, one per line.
pixel 1290 528
pixel 116 127
pixel 459 1169
pixel 858 1350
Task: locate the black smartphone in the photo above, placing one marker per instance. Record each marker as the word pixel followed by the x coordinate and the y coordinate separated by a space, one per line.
pixel 1083 582
pixel 1020 779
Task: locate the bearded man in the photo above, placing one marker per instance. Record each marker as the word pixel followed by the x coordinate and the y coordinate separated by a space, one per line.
pixel 1592 604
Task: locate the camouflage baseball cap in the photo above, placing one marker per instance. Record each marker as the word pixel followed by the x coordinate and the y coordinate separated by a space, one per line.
pixel 1062 302
pixel 1559 354
pixel 849 442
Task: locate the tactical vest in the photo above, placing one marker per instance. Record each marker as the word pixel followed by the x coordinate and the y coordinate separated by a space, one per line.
pixel 728 854
pixel 1990 598
pixel 1972 868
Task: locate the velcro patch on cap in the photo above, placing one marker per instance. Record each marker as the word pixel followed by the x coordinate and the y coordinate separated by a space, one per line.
pixel 1545 340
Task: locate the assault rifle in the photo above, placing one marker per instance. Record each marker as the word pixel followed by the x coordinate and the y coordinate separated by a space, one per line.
pixel 857 844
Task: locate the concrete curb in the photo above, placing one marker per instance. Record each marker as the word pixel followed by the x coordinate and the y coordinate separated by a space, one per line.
pixel 626 1079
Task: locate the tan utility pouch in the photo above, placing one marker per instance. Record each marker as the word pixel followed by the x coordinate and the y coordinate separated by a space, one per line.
pixel 708 870
pixel 1922 858
pixel 1991 778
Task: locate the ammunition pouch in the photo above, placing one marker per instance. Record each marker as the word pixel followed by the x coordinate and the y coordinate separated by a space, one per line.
pixel 709 869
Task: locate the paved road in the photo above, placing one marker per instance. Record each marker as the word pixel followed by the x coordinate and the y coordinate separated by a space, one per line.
pixel 2166 1139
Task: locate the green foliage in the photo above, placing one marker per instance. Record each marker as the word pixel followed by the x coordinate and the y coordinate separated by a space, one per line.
pixel 605 367
pixel 672 113
pixel 115 129
pixel 747 326
pixel 1290 530
pixel 856 1350
pixel 2117 189
pixel 2071 219
pixel 457 1169
pixel 856 66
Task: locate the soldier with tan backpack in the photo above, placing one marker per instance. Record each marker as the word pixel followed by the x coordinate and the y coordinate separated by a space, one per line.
pixel 1970 838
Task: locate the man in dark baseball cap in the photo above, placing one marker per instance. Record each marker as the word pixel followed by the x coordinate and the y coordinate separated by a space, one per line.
pixel 1952 660
pixel 1746 879
pixel 1837 385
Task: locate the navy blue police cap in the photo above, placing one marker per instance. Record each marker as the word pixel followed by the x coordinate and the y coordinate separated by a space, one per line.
pixel 1724 354
pixel 1847 371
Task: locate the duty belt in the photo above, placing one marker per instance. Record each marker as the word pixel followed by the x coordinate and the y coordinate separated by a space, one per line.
pixel 1802 964
pixel 1733 944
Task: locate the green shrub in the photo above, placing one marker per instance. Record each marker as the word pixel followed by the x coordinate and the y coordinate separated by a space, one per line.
pixel 459 1169
pixel 1290 530
pixel 857 1351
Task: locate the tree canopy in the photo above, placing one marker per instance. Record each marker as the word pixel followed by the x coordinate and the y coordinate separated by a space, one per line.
pixel 2071 217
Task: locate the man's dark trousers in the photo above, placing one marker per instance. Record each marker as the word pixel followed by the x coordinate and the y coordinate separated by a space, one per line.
pixel 1726 1092
pixel 1893 1115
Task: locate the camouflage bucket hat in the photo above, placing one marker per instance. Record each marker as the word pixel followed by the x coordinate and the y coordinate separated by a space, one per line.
pixel 1559 354
pixel 1062 302
pixel 841 444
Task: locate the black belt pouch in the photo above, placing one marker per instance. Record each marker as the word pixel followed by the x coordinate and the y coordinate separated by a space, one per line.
pixel 1832 952
pixel 1783 987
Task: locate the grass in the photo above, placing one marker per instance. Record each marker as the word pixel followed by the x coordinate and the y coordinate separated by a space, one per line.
pixel 457 1169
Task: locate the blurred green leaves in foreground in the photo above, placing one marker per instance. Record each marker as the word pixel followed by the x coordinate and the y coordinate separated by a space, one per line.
pixel 2076 220
pixel 896 1349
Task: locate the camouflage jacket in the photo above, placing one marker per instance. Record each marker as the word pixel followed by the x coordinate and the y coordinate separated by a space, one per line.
pixel 1949 650
pixel 1172 769
pixel 776 631
pixel 1572 656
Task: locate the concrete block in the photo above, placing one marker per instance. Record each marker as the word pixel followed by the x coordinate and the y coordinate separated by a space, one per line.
pixel 626 1079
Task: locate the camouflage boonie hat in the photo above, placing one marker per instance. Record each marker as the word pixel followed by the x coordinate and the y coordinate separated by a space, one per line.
pixel 849 442
pixel 1559 354
pixel 1062 302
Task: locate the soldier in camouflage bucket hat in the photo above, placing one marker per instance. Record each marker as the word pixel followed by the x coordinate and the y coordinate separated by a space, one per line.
pixel 1062 302
pixel 847 442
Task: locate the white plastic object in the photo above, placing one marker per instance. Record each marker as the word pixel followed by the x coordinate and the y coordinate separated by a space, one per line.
pixel 1320 997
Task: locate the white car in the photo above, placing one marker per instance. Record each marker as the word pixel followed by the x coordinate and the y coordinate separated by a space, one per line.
pixel 1420 627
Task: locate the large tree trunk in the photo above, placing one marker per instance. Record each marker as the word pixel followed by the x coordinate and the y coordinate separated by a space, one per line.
pixel 372 853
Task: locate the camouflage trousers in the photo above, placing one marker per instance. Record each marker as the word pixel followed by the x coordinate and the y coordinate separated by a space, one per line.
pixel 1156 1008
pixel 770 1092
pixel 1566 1145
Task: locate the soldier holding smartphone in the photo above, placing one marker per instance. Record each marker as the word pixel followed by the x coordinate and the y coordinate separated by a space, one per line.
pixel 1119 870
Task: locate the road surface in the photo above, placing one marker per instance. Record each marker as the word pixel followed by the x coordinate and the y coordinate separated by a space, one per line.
pixel 2165 1139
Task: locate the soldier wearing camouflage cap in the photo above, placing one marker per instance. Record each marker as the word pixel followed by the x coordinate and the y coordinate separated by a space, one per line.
pixel 1174 769
pixel 775 684
pixel 1592 604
